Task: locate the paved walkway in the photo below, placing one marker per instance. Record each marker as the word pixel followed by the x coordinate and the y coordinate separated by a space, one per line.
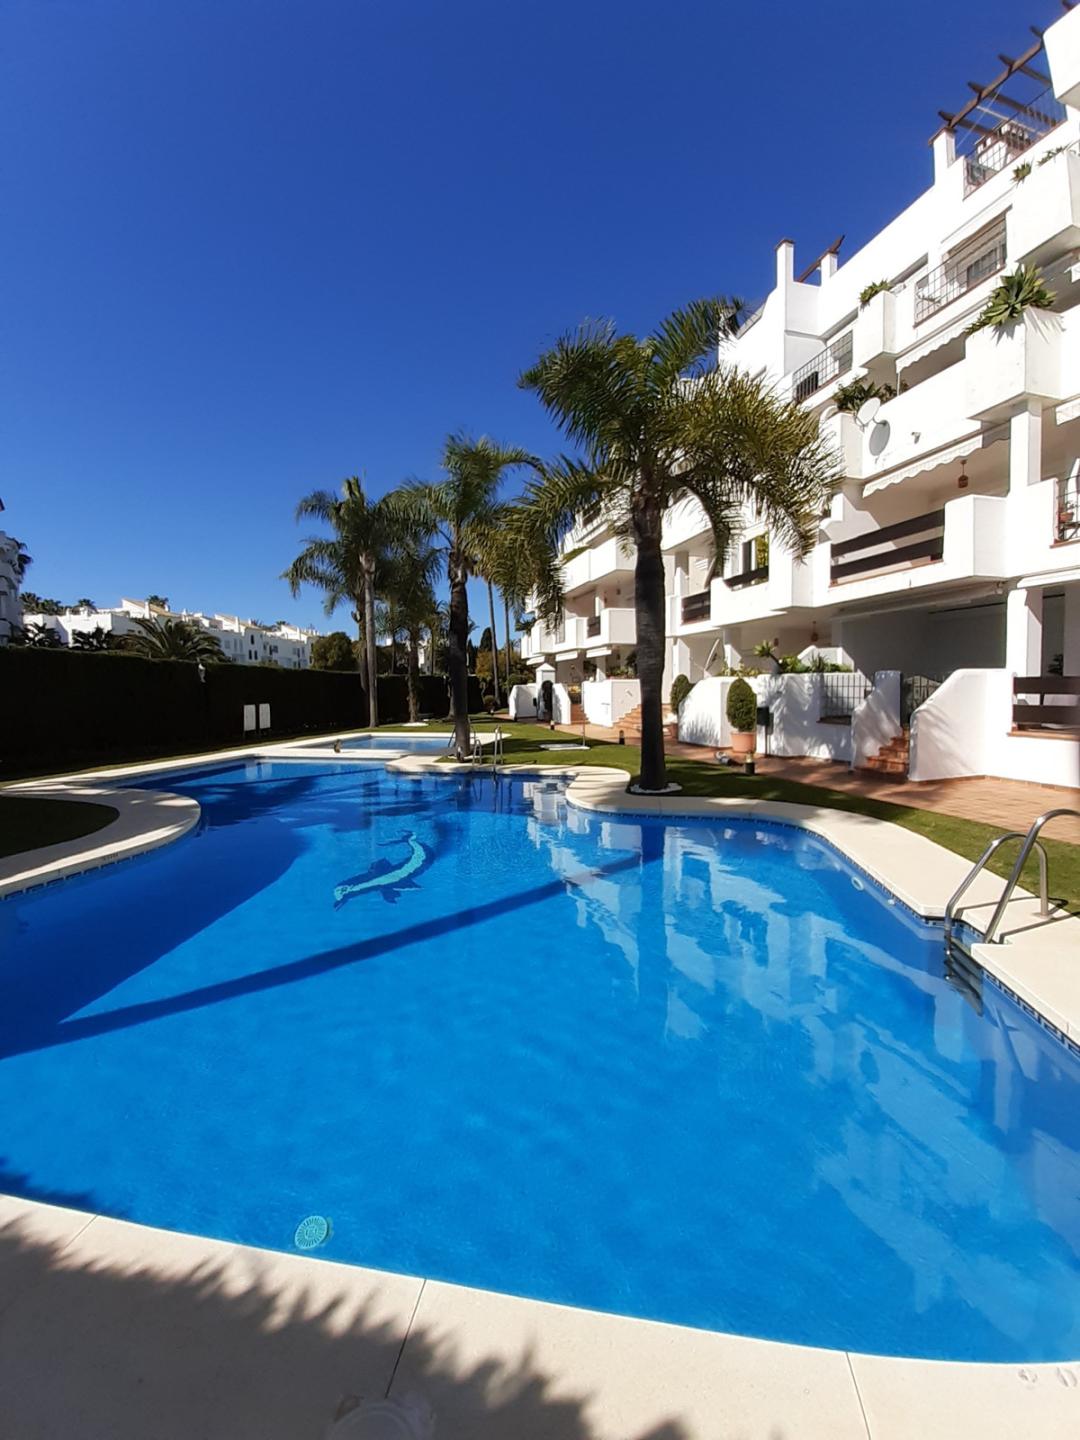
pixel 1011 804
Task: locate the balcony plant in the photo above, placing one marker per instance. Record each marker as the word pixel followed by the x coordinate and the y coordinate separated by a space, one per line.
pixel 766 650
pixel 1021 290
pixel 851 397
pixel 867 293
pixel 1021 172
pixel 742 717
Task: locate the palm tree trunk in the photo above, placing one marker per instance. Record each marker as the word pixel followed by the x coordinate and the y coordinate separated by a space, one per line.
pixel 413 672
pixel 361 656
pixel 458 652
pixel 649 618
pixel 494 645
pixel 506 618
pixel 369 637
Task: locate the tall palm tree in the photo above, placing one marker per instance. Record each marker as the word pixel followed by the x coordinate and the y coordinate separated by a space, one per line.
pixel 345 565
pixel 515 563
pixel 175 640
pixel 22 559
pixel 659 420
pixel 409 589
pixel 460 513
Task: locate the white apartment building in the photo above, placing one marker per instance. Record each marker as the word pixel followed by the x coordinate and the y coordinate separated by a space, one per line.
pixel 242 641
pixel 10 606
pixel 947 572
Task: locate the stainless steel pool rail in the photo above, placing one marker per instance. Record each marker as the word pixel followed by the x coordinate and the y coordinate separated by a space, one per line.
pixel 496 750
pixel 1030 841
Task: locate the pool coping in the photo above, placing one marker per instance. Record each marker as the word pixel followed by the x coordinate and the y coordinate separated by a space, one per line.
pixel 832 1393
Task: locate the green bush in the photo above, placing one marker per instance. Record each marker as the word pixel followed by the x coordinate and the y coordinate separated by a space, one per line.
pixel 680 688
pixel 741 706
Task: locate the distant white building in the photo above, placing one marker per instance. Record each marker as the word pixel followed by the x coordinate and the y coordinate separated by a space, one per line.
pixel 10 607
pixel 242 641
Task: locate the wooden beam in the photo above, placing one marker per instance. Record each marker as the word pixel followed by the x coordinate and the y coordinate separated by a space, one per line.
pixel 1019 108
pixel 833 249
pixel 1028 70
pixel 987 90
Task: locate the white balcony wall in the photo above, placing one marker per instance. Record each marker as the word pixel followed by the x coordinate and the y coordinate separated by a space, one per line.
pixel 844 437
pixel 617 627
pixel 1045 215
pixel 1002 368
pixel 683 524
pixel 610 558
pixel 925 418
pixel 605 702
pixel 1063 56
pixel 875 329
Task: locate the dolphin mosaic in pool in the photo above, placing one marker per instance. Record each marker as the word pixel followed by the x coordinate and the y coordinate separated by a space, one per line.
pixel 385 879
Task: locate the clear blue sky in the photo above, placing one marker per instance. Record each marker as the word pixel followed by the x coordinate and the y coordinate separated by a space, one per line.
pixel 251 247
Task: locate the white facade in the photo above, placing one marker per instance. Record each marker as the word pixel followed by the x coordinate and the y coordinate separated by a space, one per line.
pixel 11 616
pixel 242 641
pixel 952 550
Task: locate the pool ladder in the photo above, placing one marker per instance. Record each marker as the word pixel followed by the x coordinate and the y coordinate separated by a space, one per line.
pixel 497 754
pixel 1030 842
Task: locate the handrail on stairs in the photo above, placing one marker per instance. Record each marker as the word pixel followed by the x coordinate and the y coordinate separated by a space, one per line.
pixel 1030 842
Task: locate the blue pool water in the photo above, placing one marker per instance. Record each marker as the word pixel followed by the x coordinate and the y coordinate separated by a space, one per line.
pixel 692 1071
pixel 422 744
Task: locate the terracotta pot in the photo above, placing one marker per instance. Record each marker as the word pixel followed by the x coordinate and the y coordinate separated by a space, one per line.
pixel 743 742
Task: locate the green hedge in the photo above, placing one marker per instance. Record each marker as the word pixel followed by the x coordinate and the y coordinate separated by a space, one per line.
pixel 62 709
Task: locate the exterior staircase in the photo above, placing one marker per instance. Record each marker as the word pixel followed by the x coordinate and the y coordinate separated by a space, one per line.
pixel 630 722
pixel 891 759
pixel 577 714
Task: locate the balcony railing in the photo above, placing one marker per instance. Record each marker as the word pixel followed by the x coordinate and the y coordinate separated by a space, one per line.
pixel 592 626
pixel 833 361
pixel 862 555
pixel 840 693
pixel 991 149
pixel 696 607
pixel 1067 509
pixel 757 576
pixel 1062 714
pixel 960 272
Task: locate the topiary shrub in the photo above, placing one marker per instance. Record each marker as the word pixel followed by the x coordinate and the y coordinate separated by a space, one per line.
pixel 742 707
pixel 680 688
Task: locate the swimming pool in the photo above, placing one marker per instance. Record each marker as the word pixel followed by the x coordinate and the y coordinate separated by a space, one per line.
pixel 700 1072
pixel 418 744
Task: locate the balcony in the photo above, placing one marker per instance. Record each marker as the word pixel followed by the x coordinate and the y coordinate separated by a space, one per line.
pixel 1006 367
pixel 986 151
pixel 615 625
pixel 1067 509
pixel 982 256
pixel 697 607
pixel 757 576
pixel 834 361
pixel 875 330
pixel 1044 218
pixel 605 561
pixel 1047 703
pixel 876 552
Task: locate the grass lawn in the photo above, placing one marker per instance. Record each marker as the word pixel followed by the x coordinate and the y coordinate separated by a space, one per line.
pixel 966 837
pixel 27 821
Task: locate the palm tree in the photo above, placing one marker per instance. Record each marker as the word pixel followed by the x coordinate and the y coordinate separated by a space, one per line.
pixel 345 565
pixel 460 514
pixel 175 640
pixel 408 587
pixel 659 420
pixel 22 559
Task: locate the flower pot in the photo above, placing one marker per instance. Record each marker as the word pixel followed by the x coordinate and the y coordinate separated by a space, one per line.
pixel 743 742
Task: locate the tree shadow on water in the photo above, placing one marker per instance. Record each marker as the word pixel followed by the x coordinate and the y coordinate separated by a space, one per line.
pixel 110 1332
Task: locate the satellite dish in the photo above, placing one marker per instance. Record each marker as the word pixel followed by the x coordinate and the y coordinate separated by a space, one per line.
pixel 867 412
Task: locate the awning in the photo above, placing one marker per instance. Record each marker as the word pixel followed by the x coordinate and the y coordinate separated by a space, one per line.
pixel 932 342
pixel 949 455
pixel 1067 411
pixel 1052 577
pixel 537 660
pixel 599 653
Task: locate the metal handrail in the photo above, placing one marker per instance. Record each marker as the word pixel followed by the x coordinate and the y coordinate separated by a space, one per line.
pixel 1030 841
pixel 496 749
pixel 976 869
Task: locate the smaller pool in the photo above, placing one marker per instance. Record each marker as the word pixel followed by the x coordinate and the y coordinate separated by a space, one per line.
pixel 428 744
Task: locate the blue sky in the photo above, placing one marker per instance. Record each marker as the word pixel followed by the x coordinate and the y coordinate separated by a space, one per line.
pixel 251 247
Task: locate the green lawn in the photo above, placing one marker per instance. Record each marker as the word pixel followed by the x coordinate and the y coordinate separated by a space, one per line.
pixel 27 822
pixel 698 777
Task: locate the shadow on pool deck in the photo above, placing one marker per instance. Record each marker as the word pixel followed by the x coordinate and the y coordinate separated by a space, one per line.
pixel 21 1038
pixel 108 1332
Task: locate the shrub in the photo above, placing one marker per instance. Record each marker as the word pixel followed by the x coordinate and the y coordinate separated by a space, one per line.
pixel 741 706
pixel 680 688
pixel 851 397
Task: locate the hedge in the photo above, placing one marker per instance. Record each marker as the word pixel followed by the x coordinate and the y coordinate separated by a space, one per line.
pixel 65 708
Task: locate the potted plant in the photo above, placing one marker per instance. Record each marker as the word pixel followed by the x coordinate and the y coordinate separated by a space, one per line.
pixel 742 717
pixel 1021 290
pixel 766 651
pixel 867 293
